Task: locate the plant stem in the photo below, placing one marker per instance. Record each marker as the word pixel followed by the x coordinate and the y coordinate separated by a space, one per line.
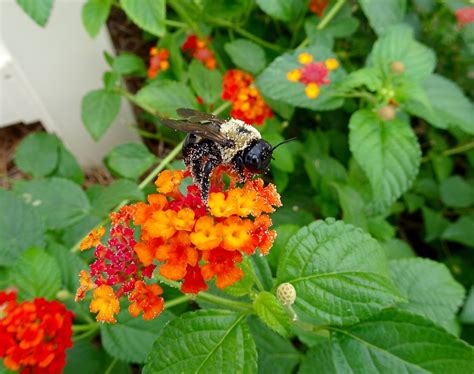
pixel 221 108
pixel 86 334
pixel 177 301
pixel 229 25
pixel 177 24
pixel 326 19
pixel 79 328
pixel 461 148
pixel 111 366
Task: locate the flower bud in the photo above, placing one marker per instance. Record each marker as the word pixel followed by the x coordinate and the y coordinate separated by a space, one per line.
pixel 286 294
pixel 387 113
pixel 397 67
pixel 63 295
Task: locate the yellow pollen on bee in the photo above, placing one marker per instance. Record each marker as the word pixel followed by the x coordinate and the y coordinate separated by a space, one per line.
pixel 294 75
pixel 331 64
pixel 312 90
pixel 305 58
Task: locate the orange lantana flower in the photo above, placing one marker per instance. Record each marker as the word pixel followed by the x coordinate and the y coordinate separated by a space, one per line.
pixel 146 299
pixel 105 303
pixel 158 61
pixel 92 239
pixel 221 264
pixel 206 234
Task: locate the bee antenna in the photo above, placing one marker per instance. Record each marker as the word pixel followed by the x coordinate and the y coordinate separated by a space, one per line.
pixel 283 142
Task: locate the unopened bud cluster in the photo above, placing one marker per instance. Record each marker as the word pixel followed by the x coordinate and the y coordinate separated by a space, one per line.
pixel 286 294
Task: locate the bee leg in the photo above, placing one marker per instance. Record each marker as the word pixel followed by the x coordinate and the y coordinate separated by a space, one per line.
pixel 206 174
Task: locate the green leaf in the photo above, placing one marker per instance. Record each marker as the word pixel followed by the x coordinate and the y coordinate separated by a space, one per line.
pixel 148 14
pixel 114 194
pixel 368 77
pixel 274 84
pixel 242 287
pixel 391 342
pixel 68 167
pixel 283 157
pixel 37 154
pixel 129 64
pixel 461 231
pixel 397 44
pixel 207 341
pixel 166 97
pixel 85 357
pixel 435 224
pixel 38 10
pixel 456 192
pixel 262 271
pixel 246 55
pixel 396 249
pixel 98 110
pixel 428 287
pixel 467 314
pixel 383 14
pixel 449 106
pixel 60 202
pixel 130 160
pixel 36 274
pixel 284 233
pixel 339 273
pixel 206 83
pixel 271 312
pixel 94 15
pixel 131 339
pixel 282 9
pixel 388 152
pixel 353 206
pixel 69 263
pixel 275 354
pixel 20 228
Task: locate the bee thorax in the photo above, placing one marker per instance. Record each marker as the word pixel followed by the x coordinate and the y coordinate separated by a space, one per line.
pixel 241 134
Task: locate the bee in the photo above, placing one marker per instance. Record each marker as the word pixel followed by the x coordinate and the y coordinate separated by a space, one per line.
pixel 213 141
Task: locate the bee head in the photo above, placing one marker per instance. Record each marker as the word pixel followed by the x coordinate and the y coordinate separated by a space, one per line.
pixel 257 156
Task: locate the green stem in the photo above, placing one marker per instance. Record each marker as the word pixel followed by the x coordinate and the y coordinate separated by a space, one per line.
pixel 177 301
pixel 229 25
pixel 79 328
pixel 177 24
pixel 454 151
pixel 111 366
pixel 86 334
pixel 221 108
pixel 326 19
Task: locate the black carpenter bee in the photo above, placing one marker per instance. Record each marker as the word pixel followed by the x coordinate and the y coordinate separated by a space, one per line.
pixel 212 141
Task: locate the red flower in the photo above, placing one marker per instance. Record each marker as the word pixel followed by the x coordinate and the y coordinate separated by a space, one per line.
pixel 146 299
pixel 247 102
pixel 158 61
pixel 193 280
pixel 318 6
pixel 34 335
pixel 198 49
pixel 465 15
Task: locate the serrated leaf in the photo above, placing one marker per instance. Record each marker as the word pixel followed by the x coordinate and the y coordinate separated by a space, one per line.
pixel 36 274
pixel 129 160
pixel 68 167
pixel 388 152
pixel 94 15
pixel 98 110
pixel 113 194
pixel 38 154
pixel 282 9
pixel 461 231
pixel 206 83
pixel 131 339
pixel 284 233
pixel 274 84
pixel 129 64
pixel 167 97
pixel 148 14
pixel 275 354
pixel 246 55
pixel 270 311
pixel 397 44
pixel 59 201
pixel 396 249
pixel 456 192
pixel 339 273
pixel 204 341
pixel 449 106
pixel 428 287
pixel 38 10
pixel 392 342
pixel 384 14
pixel 368 77
pixel 20 228
pixel 435 224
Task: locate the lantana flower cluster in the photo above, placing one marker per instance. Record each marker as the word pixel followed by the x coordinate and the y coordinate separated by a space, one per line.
pixel 192 242
pixel 248 104
pixel 199 49
pixel 464 15
pixel 313 74
pixel 34 335
pixel 158 61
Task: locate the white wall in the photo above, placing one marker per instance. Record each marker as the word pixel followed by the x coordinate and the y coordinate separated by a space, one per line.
pixel 59 64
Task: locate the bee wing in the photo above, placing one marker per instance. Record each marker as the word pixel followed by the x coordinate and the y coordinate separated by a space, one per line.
pixel 201 124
